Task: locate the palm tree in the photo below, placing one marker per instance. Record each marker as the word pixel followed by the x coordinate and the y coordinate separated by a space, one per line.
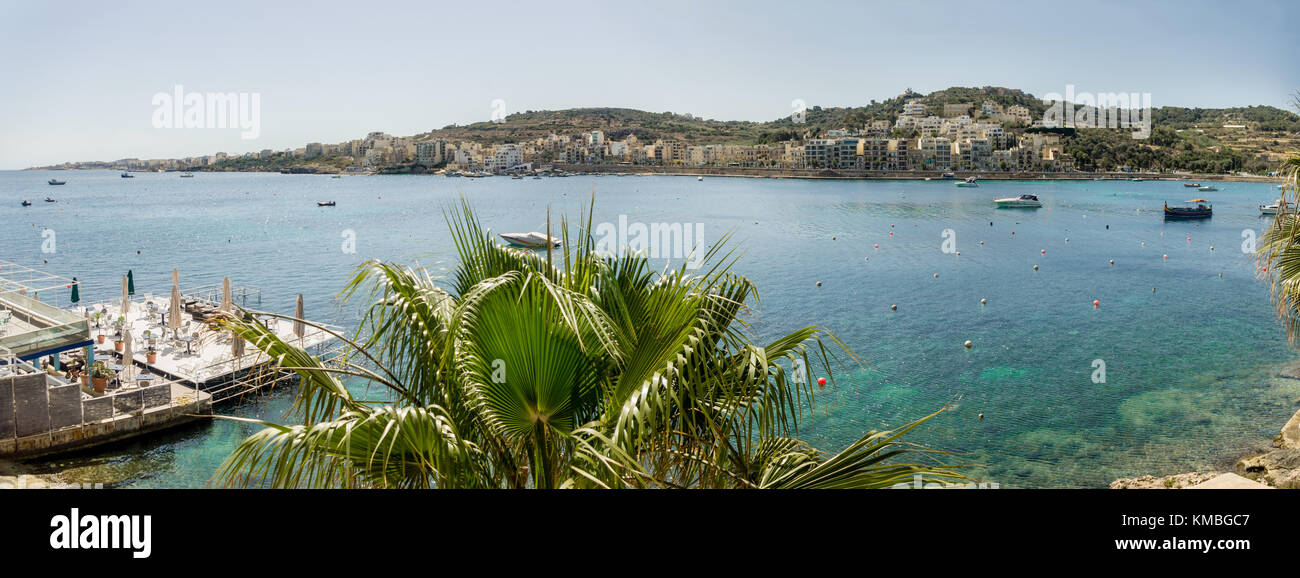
pixel 593 372
pixel 1279 252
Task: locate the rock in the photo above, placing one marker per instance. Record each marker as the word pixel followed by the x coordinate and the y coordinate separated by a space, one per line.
pixel 1174 482
pixel 1229 482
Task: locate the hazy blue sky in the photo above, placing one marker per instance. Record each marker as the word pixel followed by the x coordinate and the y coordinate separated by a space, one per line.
pixel 79 77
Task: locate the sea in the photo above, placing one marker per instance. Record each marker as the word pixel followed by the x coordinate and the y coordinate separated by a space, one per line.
pixel 1105 341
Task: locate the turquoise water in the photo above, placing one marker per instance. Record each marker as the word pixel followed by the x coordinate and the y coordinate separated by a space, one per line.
pixel 1190 369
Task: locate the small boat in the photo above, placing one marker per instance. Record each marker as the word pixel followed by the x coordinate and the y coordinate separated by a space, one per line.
pixel 517 177
pixel 324 203
pixel 1137 179
pixel 1274 208
pixel 533 240
pixel 337 177
pixel 1195 209
pixel 49 200
pixel 1023 201
pixel 537 177
pixel 969 182
pixel 700 179
pixel 128 176
pixel 27 203
pixel 948 176
pixel 1195 185
pixel 1207 188
pixel 56 182
pixel 187 175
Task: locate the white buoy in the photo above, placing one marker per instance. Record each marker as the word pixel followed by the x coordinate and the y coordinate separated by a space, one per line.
pixel 983 301
pixel 968 344
pixel 894 307
pixel 1035 267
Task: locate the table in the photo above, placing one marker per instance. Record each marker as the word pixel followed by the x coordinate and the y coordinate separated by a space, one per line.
pixel 188 340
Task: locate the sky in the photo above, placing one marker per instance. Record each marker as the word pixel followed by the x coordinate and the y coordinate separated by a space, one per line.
pixel 80 78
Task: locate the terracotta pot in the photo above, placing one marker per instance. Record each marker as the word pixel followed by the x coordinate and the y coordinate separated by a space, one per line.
pixel 152 356
pixel 101 338
pixel 117 345
pixel 101 383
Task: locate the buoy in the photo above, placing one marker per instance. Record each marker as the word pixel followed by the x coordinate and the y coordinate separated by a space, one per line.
pixel 958 253
pixel 981 242
pixel 1144 243
pixel 1189 239
pixel 1211 247
pixel 1042 251
pixel 894 307
pixel 1153 289
pixel 891 233
pixel 983 301
pixel 1220 275
pixel 1112 261
pixel 821 381
pixel 1166 257
pixel 936 275
pixel 1096 303
pixel 877 246
pixel 819 283
pixel 968 344
pixel 832 238
pixel 981 416
pixel 1035 267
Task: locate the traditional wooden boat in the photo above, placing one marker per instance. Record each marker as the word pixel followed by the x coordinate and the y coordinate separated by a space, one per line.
pixel 1194 209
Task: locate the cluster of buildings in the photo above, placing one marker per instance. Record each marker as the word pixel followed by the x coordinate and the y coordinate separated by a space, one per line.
pixel 915 141
pixel 954 137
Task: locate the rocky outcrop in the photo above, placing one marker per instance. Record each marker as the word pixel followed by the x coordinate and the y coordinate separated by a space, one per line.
pixel 1278 468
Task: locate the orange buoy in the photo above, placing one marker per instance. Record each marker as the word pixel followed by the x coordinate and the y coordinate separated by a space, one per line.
pixel 1096 303
pixel 821 381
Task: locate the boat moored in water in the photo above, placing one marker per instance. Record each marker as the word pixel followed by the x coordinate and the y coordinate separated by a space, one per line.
pixel 128 176
pixel 1023 201
pixel 969 182
pixel 56 182
pixel 532 240
pixel 187 175
pixel 1194 209
pixel 1193 185
pixel 1275 208
pixel 1207 188
pixel 27 203
pixel 49 200
pixel 324 203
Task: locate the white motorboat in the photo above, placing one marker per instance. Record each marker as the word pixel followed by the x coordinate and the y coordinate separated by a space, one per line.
pixel 1207 188
pixel 969 182
pixel 1018 202
pixel 531 240
pixel 1274 208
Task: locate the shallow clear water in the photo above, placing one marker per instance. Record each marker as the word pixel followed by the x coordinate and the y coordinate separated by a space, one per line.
pixel 1190 368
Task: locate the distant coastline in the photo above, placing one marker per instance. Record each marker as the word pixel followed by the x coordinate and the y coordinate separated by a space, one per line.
pixel 831 174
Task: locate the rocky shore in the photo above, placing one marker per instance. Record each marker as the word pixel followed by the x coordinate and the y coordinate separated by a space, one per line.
pixel 1276 468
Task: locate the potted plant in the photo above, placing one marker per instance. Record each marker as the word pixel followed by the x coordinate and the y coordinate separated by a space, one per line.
pixel 151 355
pixel 99 375
pixel 117 341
